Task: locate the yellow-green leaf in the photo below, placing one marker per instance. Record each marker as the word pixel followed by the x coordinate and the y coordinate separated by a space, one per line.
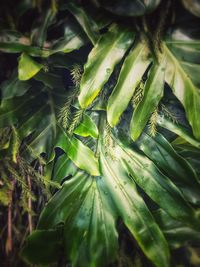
pixel 27 67
pixel 108 51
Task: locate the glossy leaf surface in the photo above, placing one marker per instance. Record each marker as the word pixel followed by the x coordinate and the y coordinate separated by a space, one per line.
pixel 177 233
pixel 156 185
pixel 108 51
pixel 27 67
pixel 80 154
pixel 179 170
pixel 134 212
pixel 153 92
pixel 178 129
pixel 80 202
pixel 130 76
pixel 87 128
pixel 183 53
pixel 85 21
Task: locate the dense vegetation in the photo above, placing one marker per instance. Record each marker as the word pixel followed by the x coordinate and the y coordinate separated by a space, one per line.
pixel 99 118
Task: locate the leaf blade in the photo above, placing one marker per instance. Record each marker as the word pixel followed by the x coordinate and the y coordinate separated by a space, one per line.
pixel 130 75
pixel 108 51
pixel 153 92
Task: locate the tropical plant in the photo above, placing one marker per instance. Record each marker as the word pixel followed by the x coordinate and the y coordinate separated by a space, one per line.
pixel 99 110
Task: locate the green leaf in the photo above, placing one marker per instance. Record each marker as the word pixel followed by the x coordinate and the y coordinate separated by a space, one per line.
pixel 156 185
pixel 39 33
pixel 108 51
pixel 43 246
pixel 90 236
pixel 12 109
pixel 190 153
pixel 72 39
pixel 153 92
pixel 86 22
pixel 134 212
pixel 27 67
pixel 14 87
pixel 129 7
pixel 177 233
pixel 35 116
pixel 87 127
pixel 180 79
pixel 80 154
pixel 130 76
pixel 39 121
pixel 178 129
pixel 49 79
pixel 63 168
pixel 160 151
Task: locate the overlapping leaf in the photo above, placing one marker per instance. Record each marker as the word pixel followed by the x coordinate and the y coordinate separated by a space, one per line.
pixel 156 185
pixel 80 154
pixel 108 51
pixel 43 246
pixel 90 239
pixel 134 212
pixel 87 127
pixel 27 67
pixel 85 21
pixel 160 151
pixel 128 7
pixel 153 92
pixel 130 76
pixel 178 129
pixel 182 75
pixel 177 233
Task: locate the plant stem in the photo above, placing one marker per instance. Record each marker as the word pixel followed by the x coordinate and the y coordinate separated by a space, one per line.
pixel 9 243
pixel 30 222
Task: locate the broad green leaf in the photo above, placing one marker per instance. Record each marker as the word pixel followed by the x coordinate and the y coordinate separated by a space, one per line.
pixel 131 73
pixel 156 185
pixel 80 154
pixel 73 38
pixel 43 246
pixel 12 109
pixel 134 212
pixel 34 113
pixel 18 47
pixel 90 236
pixel 85 21
pixel 190 153
pixel 153 92
pixel 180 79
pixel 160 151
pixel 27 67
pixel 42 126
pixel 128 7
pixel 39 120
pixel 87 128
pixel 178 129
pixel 179 141
pixel 50 80
pixel 108 51
pixel 177 233
pixel 63 168
pixel 13 87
